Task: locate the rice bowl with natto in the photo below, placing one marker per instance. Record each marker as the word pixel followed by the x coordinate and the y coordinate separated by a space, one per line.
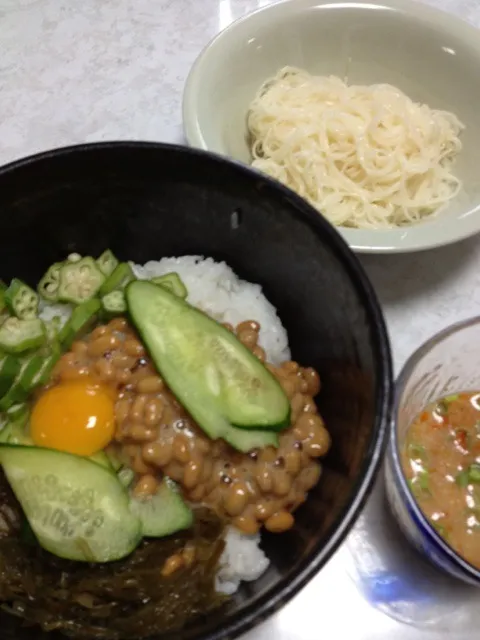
pixel 201 431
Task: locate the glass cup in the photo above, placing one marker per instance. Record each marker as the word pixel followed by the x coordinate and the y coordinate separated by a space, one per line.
pixel 446 364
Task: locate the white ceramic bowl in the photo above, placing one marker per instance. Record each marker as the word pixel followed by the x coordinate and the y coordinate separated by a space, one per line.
pixel 432 56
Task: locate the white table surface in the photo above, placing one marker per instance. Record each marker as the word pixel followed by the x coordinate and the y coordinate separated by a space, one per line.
pixel 93 70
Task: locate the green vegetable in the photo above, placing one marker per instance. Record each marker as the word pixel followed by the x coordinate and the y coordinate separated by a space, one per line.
pixel 9 368
pixel 107 262
pixel 452 398
pixel 76 508
pixel 16 429
pixel 21 300
pixel 102 459
pixel 17 411
pixel 53 328
pixel 80 321
pixel 17 336
pixel 173 283
pixel 212 374
pixel 416 451
pixel 163 513
pixel 114 304
pixel 126 476
pixel 120 277
pixel 3 289
pixel 440 528
pixel 419 485
pixel 18 434
pixel 114 460
pixel 462 478
pixel 474 473
pixel 25 381
pixel 441 408
pixel 48 285
pixel 79 281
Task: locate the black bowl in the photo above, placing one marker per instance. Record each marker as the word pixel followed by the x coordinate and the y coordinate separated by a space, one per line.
pixel 145 201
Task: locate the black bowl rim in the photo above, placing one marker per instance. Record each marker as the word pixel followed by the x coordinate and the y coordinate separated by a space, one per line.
pixel 278 596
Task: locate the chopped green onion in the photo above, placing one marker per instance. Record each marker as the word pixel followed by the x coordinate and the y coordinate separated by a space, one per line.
pixel 440 528
pixel 462 478
pixel 441 408
pixel 419 485
pixel 451 398
pixel 120 277
pixel 474 473
pixel 416 451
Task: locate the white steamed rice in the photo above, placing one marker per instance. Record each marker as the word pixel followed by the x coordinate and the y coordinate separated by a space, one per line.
pixel 214 288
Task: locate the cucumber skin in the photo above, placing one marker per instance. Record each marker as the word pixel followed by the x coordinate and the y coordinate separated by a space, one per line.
pixel 25 468
pixel 164 513
pixel 240 436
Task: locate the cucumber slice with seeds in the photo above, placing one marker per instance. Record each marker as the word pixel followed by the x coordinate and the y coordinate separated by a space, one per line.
pixel 77 509
pixel 212 374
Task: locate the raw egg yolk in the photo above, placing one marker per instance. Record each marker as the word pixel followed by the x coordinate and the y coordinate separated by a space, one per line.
pixel 76 416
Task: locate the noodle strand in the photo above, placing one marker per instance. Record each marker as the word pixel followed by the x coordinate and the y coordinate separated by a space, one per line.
pixel 365 157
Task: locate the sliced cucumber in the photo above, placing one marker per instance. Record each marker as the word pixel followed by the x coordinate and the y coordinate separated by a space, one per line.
pixel 173 283
pixel 212 374
pixel 77 509
pixel 103 460
pixel 164 513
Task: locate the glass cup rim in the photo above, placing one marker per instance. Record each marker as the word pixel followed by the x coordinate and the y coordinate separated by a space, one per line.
pixel 404 376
